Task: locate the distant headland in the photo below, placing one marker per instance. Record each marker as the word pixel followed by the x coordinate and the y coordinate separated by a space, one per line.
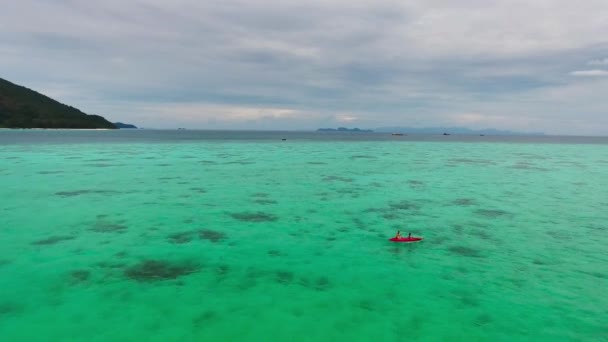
pixel 21 107
pixel 344 129
pixel 124 125
pixel 451 130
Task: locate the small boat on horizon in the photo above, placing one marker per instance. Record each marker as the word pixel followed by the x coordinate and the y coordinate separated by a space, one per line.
pixel 397 134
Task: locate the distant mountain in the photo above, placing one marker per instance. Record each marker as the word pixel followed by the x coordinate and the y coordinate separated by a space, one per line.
pixel 343 129
pixel 450 130
pixel 123 125
pixel 21 107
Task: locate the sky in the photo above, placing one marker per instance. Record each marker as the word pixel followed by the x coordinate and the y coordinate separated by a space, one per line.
pixel 528 66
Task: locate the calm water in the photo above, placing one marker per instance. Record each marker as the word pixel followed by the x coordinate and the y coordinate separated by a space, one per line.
pixel 211 236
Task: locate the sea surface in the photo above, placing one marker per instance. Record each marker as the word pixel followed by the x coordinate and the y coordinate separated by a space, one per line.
pixel 243 236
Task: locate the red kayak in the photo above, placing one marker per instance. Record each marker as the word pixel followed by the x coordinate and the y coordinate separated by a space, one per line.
pixel 406 239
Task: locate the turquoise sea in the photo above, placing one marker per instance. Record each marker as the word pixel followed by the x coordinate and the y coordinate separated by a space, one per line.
pixel 243 236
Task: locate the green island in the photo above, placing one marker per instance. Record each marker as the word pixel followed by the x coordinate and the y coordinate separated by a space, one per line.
pixel 21 107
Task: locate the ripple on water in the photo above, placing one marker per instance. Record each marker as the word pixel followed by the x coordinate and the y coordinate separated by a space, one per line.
pixel 337 179
pixel 471 161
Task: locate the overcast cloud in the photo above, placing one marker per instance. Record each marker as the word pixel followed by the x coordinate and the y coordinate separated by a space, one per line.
pixel 521 65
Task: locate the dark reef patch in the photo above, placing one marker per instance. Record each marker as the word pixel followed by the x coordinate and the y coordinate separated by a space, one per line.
pixel 204 318
pixel 359 223
pixel 284 277
pixel 181 237
pixel 49 172
pixel 156 270
pixel 79 276
pixel 458 229
pixel 53 240
pixel 415 184
pixel 471 161
pixel 121 254
pixel 102 226
pixel 540 262
pixel 465 251
pixel 391 216
pixel 9 308
pixel 257 216
pixel 211 235
pixel 482 234
pixel 361 156
pixel 404 205
pixel 527 166
pixel 322 284
pixel 86 192
pixel 483 319
pixel 264 201
pixel 464 201
pixel 110 264
pixel 274 253
pixel 469 300
pixel 366 304
pixel 596 274
pixel 491 213
pixel 260 194
pixel 222 270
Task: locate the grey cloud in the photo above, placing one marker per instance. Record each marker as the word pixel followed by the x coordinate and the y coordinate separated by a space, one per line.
pixel 590 73
pixel 384 62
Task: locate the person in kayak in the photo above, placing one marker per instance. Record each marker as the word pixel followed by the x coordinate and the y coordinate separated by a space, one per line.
pixel 409 236
pixel 398 236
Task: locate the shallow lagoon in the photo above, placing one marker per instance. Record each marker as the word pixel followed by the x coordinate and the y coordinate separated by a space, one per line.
pixel 263 239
